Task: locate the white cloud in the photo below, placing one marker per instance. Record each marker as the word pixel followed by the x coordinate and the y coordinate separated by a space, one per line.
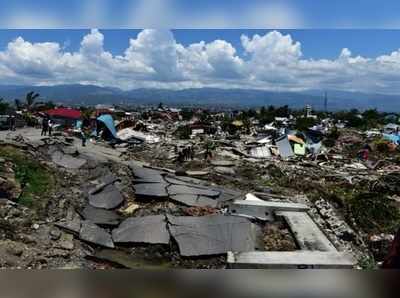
pixel 155 59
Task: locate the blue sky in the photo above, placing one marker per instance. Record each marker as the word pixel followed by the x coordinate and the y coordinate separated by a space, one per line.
pixel 316 43
pixel 200 14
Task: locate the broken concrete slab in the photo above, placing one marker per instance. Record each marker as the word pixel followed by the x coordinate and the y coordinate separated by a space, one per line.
pixel 145 175
pixel 72 225
pixel 108 198
pixel 212 235
pixel 151 190
pixel 308 235
pixel 94 234
pixel 290 260
pixel 103 182
pixel 67 161
pixel 148 229
pixel 183 189
pixel 262 210
pixel 195 200
pixel 100 216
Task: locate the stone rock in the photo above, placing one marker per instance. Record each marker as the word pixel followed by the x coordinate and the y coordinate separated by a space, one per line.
pixel 66 241
pixel 55 234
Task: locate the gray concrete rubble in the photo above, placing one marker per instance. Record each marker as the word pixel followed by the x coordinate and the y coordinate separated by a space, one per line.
pixel 143 175
pixel 109 197
pixel 100 217
pixel 194 200
pixel 262 210
pixel 212 235
pixel 183 189
pixel 151 190
pixel 148 229
pixel 290 260
pixel 94 234
pixel 71 224
pixel 308 234
pixel 67 161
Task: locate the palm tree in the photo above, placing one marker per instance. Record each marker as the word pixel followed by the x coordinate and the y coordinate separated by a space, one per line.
pixel 30 99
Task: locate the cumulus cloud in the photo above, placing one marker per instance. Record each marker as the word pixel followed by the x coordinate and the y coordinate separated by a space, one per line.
pixel 154 58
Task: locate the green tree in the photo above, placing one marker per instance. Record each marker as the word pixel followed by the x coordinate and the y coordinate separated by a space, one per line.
pixel 4 106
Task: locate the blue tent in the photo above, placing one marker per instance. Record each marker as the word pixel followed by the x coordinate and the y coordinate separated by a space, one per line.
pixel 109 123
pixel 392 137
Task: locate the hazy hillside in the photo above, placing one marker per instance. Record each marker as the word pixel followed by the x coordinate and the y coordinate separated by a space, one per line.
pixel 90 95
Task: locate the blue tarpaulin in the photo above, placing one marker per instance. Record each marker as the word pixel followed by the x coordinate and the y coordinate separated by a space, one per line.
pixel 109 123
pixel 392 137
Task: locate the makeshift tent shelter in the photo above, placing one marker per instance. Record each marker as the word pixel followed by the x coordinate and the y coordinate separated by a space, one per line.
pixel 285 150
pixel 108 122
pixel 392 138
pixel 299 149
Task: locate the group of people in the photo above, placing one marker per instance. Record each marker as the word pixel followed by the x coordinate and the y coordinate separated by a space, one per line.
pixel 47 126
pixel 185 154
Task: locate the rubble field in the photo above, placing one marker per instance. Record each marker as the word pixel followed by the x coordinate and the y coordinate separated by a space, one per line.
pixel 137 206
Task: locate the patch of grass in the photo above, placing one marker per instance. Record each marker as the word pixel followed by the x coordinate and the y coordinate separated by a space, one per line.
pixel 36 181
pixel 374 212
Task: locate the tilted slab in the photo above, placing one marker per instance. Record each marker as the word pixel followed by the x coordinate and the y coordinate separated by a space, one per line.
pixel 147 175
pixel 262 210
pixel 67 161
pixel 151 190
pixel 212 235
pixel 94 234
pixel 290 260
pixel 100 216
pixel 147 229
pixel 183 189
pixel 109 197
pixel 195 200
pixel 308 235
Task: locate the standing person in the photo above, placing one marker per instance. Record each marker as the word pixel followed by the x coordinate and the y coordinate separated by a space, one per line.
pixel 392 261
pixel 45 126
pixel 83 136
pixel 50 126
pixel 12 123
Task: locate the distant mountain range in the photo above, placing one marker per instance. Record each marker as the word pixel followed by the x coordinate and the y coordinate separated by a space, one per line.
pixel 232 98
